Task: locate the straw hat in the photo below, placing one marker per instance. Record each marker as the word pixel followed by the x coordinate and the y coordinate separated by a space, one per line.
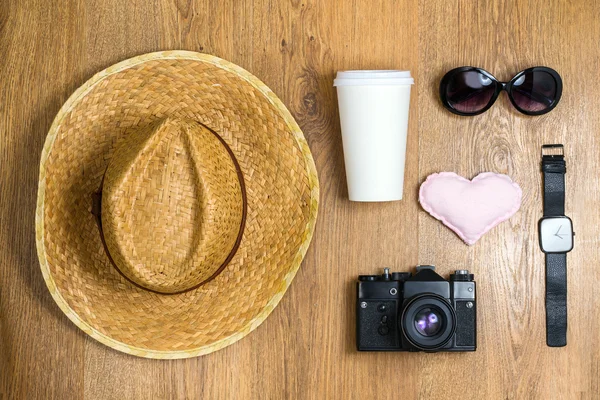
pixel 177 199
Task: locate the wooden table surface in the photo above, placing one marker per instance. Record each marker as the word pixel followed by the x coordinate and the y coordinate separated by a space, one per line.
pixel 306 348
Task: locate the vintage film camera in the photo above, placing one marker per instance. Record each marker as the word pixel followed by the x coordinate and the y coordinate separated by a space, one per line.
pixel 421 312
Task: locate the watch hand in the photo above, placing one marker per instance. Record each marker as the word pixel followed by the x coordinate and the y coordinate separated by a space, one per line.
pixel 560 235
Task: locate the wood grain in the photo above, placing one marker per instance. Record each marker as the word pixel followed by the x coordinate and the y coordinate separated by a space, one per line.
pixel 305 349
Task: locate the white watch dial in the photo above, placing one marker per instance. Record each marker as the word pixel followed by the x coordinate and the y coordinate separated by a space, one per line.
pixel 556 235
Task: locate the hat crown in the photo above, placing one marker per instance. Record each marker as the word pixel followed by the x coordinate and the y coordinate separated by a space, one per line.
pixel 173 206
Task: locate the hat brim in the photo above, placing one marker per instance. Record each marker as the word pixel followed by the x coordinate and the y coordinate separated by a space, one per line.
pixel 281 183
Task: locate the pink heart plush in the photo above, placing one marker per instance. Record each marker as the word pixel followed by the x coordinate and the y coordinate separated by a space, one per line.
pixel 470 207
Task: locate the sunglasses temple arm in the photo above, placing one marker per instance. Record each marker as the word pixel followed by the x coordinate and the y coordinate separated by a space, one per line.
pixel 540 98
pixel 467 96
pixel 532 95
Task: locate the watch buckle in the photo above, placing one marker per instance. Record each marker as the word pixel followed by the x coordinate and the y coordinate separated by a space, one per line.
pixel 553 150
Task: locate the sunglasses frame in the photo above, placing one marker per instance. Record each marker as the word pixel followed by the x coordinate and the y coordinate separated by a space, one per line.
pixel 500 86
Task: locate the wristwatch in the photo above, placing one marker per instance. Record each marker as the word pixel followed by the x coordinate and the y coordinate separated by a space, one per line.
pixel 556 240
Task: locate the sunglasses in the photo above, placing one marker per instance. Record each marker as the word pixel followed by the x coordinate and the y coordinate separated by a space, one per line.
pixel 472 91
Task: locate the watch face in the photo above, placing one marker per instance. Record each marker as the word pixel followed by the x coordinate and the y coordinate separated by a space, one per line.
pixel 556 234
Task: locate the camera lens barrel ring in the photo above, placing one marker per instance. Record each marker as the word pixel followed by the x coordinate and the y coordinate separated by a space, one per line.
pixel 442 307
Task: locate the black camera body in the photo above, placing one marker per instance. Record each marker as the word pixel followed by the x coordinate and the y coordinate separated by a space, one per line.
pixel 421 312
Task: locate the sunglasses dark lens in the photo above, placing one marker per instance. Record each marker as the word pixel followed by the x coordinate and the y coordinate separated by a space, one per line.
pixel 534 91
pixel 469 91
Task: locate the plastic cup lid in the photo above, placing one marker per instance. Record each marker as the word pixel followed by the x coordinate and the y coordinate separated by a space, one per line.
pixel 373 77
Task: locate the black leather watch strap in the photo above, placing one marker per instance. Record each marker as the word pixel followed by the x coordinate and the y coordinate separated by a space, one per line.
pixel 556 299
pixel 554 169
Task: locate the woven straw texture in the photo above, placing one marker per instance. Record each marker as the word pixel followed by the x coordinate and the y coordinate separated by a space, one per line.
pixel 282 201
pixel 172 205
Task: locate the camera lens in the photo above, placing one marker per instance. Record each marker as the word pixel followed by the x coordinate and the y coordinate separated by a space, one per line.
pixel 428 321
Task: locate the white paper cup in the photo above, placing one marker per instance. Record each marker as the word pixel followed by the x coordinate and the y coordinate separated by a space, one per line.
pixel 374 118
